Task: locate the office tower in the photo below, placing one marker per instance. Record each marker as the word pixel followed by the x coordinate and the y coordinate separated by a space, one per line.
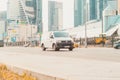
pixel 54 15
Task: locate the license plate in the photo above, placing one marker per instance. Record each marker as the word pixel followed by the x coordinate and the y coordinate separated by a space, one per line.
pixel 67 46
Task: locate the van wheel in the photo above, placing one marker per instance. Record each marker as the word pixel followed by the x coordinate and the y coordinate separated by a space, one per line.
pixel 43 47
pixel 55 48
pixel 70 49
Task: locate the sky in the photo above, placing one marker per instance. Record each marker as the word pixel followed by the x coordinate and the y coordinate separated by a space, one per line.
pixel 3 5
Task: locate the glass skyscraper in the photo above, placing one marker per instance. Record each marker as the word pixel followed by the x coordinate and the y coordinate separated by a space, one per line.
pixel 39 15
pixel 93 9
pixel 79 12
pixel 31 11
pixel 54 15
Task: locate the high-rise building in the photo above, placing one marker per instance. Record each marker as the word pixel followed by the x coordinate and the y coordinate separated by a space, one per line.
pixel 25 12
pixel 23 15
pixel 55 15
pixel 28 11
pixel 80 8
pixel 13 13
pixel 79 12
pixel 92 9
pixel 19 10
pixel 101 5
pixel 39 21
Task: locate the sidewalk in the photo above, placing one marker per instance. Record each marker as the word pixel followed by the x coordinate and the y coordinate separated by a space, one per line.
pixel 62 68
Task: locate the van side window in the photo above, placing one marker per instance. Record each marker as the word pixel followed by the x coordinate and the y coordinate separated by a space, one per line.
pixel 51 36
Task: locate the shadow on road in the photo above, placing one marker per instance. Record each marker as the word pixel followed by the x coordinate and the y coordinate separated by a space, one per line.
pixel 62 50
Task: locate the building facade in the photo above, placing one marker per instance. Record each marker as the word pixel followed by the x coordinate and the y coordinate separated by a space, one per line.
pixel 79 12
pixel 55 10
pixel 110 16
pixel 39 16
pixel 92 9
pixel 57 14
pixel 3 23
pixel 27 11
pixel 21 16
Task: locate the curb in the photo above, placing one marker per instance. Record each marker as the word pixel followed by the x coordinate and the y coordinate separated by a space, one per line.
pixel 14 73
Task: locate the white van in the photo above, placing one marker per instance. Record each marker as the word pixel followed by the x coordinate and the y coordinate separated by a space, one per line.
pixel 56 40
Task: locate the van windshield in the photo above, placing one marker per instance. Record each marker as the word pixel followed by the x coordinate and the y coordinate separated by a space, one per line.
pixel 61 34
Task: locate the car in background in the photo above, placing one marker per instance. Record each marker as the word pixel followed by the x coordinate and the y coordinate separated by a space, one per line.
pixel 117 44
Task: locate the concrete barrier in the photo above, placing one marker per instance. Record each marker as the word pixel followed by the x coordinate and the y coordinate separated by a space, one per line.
pixel 11 72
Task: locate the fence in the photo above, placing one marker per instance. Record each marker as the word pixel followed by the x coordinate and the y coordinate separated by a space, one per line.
pixel 22 43
pixel 97 41
pixel 91 42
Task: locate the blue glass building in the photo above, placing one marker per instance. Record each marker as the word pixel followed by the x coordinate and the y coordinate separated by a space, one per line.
pixel 39 15
pixel 79 12
pixel 93 9
pixel 54 10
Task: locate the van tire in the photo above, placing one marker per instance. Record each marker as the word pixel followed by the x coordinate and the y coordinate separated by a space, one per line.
pixel 43 47
pixel 70 49
pixel 55 48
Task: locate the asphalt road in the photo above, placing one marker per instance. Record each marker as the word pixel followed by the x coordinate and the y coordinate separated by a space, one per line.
pixel 79 64
pixel 104 54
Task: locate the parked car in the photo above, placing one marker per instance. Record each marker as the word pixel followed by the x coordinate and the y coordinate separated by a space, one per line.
pixel 117 44
pixel 56 40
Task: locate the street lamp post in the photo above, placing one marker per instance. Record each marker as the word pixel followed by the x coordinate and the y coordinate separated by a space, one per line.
pixel 31 31
pixel 86 19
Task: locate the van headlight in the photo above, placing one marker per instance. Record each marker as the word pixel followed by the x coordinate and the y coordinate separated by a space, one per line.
pixel 58 41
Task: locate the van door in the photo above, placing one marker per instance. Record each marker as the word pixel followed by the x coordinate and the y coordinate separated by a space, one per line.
pixel 45 39
pixel 48 41
pixel 51 40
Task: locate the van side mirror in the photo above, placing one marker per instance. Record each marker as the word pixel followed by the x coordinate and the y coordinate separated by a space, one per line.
pixel 51 37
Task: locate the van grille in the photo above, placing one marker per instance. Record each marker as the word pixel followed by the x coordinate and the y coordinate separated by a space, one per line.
pixel 66 41
pixel 63 41
pixel 69 41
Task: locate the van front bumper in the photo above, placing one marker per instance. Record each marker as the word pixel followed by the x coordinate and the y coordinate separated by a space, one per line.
pixel 64 45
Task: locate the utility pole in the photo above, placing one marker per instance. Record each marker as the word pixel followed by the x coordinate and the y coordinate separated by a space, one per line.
pixel 86 19
pixel 31 32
